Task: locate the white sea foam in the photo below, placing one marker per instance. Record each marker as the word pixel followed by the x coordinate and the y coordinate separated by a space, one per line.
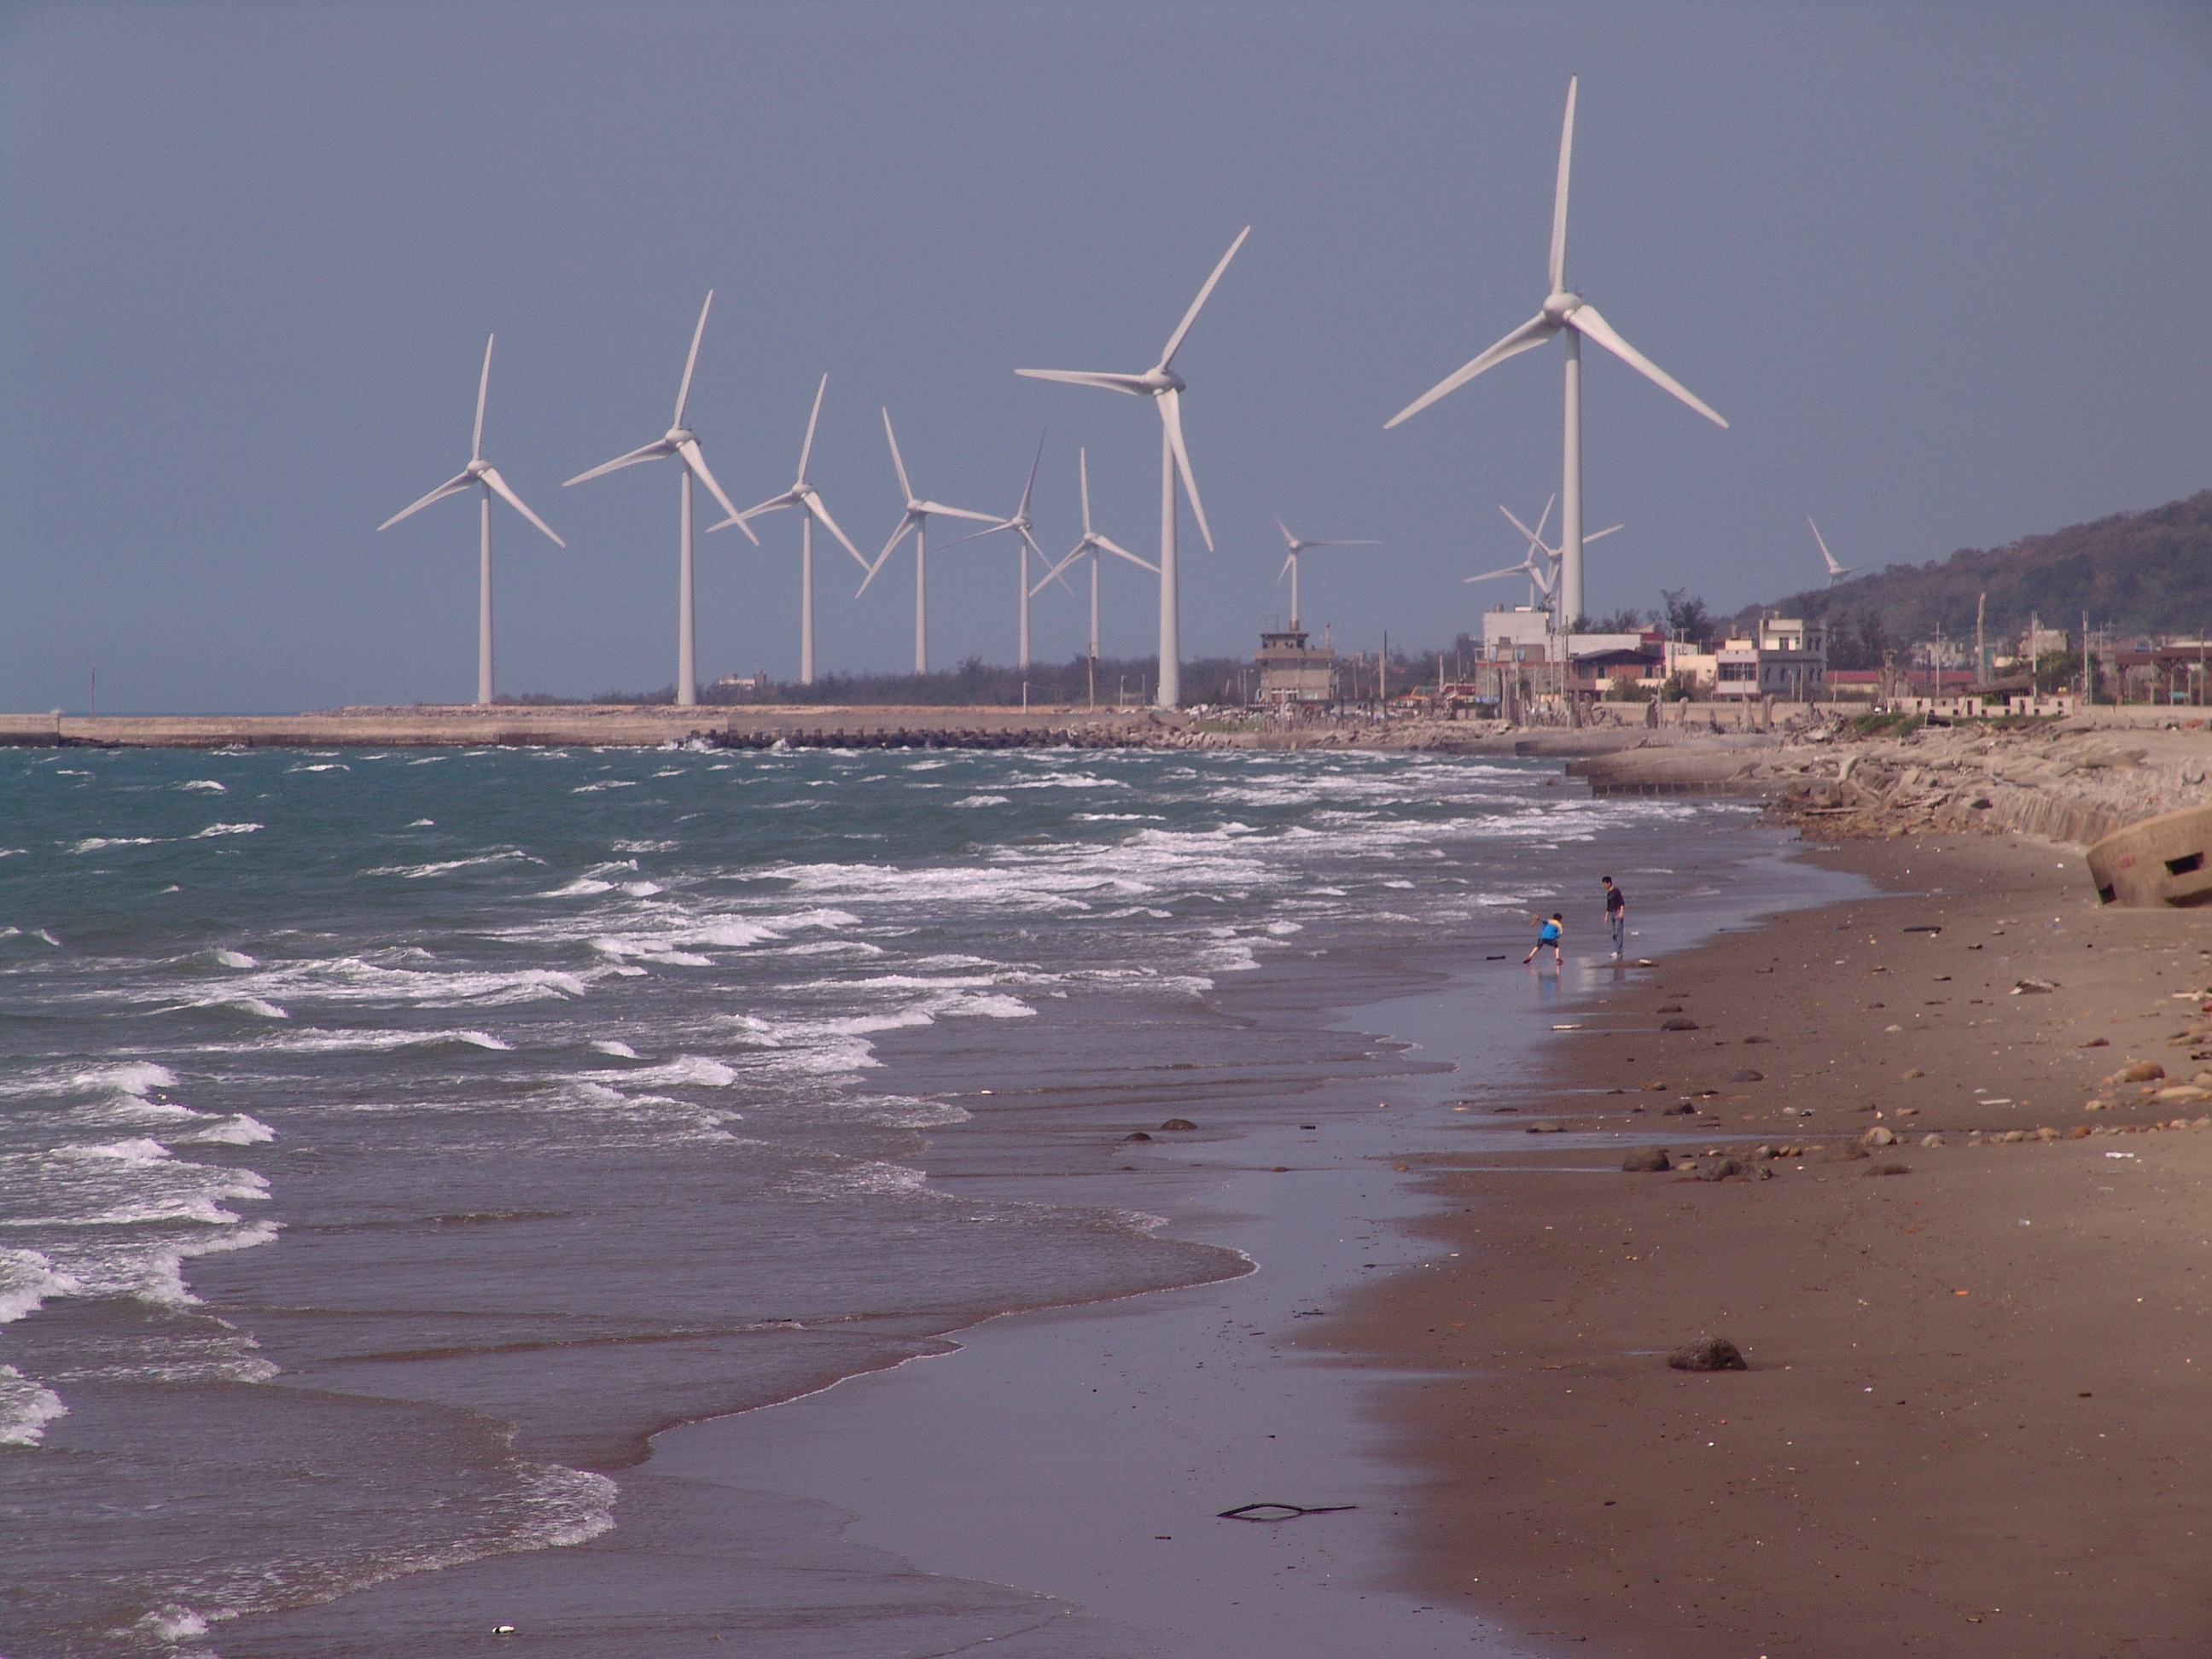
pixel 604 783
pixel 646 846
pixel 98 843
pixel 321 766
pixel 225 829
pixel 26 1408
pixel 235 959
pixel 27 1278
pixel 208 785
pixel 261 1007
pixel 619 1051
pixel 418 872
pixel 582 886
pixel 237 1130
pixel 982 800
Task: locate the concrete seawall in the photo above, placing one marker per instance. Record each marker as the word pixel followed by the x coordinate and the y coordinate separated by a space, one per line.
pixel 589 725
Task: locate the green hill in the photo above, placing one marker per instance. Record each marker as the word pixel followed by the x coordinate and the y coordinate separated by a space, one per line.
pixel 2148 573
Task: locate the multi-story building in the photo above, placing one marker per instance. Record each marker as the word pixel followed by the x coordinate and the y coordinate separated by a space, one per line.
pixel 1785 657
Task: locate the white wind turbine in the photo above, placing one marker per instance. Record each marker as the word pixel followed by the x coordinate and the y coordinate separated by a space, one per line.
pixel 1094 544
pixel 915 521
pixel 1291 564
pixel 1568 314
pixel 482 474
pixel 682 443
pixel 1024 529
pixel 804 495
pixel 1836 572
pixel 1165 388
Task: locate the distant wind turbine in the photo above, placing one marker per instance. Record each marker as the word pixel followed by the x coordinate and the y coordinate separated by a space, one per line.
pixel 682 443
pixel 804 495
pixel 1836 572
pixel 915 522
pixel 1093 543
pixel 1165 388
pixel 1291 564
pixel 1565 313
pixel 482 474
pixel 1024 529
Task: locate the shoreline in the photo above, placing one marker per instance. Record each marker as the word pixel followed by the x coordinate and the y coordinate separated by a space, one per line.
pixel 1971 1409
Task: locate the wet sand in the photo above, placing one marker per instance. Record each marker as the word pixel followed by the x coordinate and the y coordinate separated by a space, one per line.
pixel 1973 1421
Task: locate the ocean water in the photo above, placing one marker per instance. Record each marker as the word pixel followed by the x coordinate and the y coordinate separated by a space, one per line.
pixel 390 1141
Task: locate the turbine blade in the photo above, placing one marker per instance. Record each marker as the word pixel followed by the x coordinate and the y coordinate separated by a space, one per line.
pixel 484 385
pixel 907 521
pixel 1520 569
pixel 1081 548
pixel 993 530
pixel 806 449
pixel 813 505
pixel 1171 402
pixel 1022 513
pixel 1289 540
pixel 772 504
pixel 651 452
pixel 1285 570
pixel 939 509
pixel 1083 473
pixel 684 391
pixel 738 519
pixel 1535 540
pixel 1119 552
pixel 1595 535
pixel 696 459
pixel 872 569
pixel 1352 544
pixel 906 489
pixel 1558 266
pixel 1534 332
pixel 490 476
pixel 1550 502
pixel 1134 385
pixel 1585 320
pixel 1174 340
pixel 1829 557
pixel 453 486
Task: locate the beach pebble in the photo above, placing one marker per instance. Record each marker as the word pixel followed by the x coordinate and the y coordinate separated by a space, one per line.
pixel 2034 987
pixel 1543 1129
pixel 2142 1072
pixel 2046 1132
pixel 1646 1160
pixel 1139 1135
pixel 1709 1353
pixel 1746 1075
pixel 1931 1141
pixel 1669 1008
pixel 1680 1108
pixel 2011 1135
pixel 2095 1042
pixel 1178 1123
pixel 1750 1039
pixel 1719 1169
pixel 1678 1025
pixel 1877 1136
pixel 1915 1071
pixel 2096 1105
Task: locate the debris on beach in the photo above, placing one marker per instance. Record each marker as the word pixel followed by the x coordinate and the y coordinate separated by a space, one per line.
pixel 1709 1353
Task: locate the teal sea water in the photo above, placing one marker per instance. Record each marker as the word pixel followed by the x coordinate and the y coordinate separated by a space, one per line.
pixel 390 1141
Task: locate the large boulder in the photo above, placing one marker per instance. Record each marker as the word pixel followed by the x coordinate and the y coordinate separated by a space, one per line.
pixel 1647 1160
pixel 1709 1353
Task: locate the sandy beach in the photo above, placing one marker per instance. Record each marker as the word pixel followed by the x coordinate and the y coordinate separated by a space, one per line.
pixel 1973 1417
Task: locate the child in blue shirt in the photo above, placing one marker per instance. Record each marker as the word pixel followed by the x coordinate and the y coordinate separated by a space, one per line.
pixel 1549 934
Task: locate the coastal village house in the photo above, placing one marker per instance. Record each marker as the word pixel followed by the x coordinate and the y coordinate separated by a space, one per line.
pixel 1785 658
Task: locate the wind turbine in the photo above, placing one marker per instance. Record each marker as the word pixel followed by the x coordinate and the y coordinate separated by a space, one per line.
pixel 1291 564
pixel 482 474
pixel 1567 314
pixel 682 443
pixel 1836 572
pixel 1025 529
pixel 1165 388
pixel 803 496
pixel 1537 544
pixel 1094 544
pixel 915 521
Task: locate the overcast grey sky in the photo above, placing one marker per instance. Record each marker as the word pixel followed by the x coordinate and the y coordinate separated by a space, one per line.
pixel 1947 268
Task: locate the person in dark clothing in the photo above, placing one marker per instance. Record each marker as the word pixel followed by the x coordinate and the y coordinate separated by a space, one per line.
pixel 1616 917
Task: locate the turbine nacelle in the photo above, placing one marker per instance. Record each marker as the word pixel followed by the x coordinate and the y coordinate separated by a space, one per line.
pixel 677 436
pixel 1560 306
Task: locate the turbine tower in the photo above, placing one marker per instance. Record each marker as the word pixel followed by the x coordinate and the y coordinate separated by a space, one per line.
pixel 482 474
pixel 1567 314
pixel 804 495
pixel 1537 544
pixel 1165 388
pixel 1094 544
pixel 682 442
pixel 1291 564
pixel 915 521
pixel 1836 572
pixel 1025 528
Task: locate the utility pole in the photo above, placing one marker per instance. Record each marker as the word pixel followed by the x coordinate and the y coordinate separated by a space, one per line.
pixel 1981 652
pixel 2088 681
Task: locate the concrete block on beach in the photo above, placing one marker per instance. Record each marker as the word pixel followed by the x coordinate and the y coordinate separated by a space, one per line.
pixel 2159 861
